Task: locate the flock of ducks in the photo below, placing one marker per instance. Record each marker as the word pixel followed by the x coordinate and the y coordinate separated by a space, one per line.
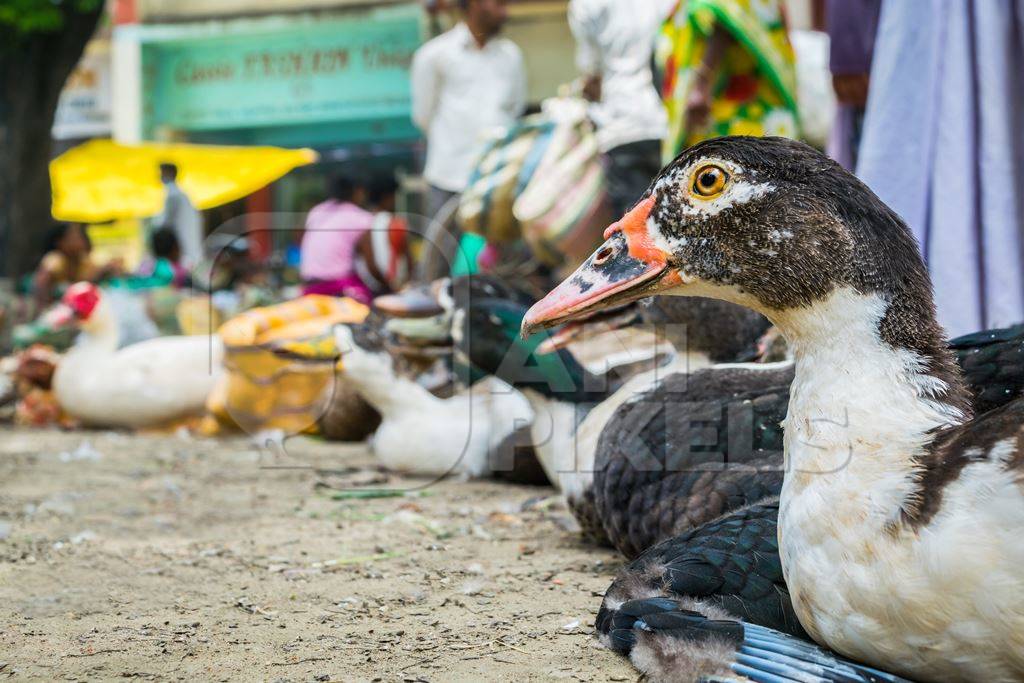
pixel 849 513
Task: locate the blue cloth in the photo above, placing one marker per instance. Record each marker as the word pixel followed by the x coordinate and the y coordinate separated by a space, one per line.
pixel 943 145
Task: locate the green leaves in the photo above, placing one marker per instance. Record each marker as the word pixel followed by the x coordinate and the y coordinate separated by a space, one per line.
pixel 40 16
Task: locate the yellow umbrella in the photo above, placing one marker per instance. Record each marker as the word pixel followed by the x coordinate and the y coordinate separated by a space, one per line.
pixel 102 181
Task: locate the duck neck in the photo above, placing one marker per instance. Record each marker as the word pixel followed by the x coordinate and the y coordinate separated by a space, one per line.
pixel 373 376
pixel 100 332
pixel 862 408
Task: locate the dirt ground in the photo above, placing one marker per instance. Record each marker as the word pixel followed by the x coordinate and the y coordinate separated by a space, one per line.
pixel 175 558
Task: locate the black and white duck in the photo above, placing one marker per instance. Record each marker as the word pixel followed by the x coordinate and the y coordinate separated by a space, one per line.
pixel 619 456
pixel 573 405
pixel 486 316
pixel 687 451
pixel 733 562
pixel 900 510
pixel 465 432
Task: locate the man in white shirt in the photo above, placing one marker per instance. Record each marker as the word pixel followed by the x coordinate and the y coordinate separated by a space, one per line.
pixel 614 45
pixel 180 215
pixel 465 82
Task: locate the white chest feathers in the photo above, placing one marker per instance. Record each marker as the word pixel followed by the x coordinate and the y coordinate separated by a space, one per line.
pixel 943 601
pixel 940 602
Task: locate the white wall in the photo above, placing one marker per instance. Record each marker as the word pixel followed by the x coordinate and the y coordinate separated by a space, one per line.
pixel 126 84
pixel 541 30
pixel 799 14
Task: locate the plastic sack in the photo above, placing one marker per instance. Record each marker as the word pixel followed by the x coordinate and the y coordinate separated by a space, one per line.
pixel 197 315
pixel 564 209
pixel 503 169
pixel 541 182
pixel 261 391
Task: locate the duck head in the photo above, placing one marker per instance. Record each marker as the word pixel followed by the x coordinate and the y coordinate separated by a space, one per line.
pixel 80 305
pixel 768 223
pixel 778 227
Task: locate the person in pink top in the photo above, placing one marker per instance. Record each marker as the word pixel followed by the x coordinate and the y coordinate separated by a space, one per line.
pixel 327 262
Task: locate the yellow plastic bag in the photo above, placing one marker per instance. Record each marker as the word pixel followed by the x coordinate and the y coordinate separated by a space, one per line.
pixel 263 391
pixel 196 315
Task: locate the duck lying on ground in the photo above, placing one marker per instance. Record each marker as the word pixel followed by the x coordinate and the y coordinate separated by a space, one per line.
pixel 470 431
pixel 416 318
pixel 689 450
pixel 704 333
pixel 559 388
pixel 421 433
pixel 731 563
pixel 151 383
pixel 900 512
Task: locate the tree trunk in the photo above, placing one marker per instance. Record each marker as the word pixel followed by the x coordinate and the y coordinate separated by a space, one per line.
pixel 33 69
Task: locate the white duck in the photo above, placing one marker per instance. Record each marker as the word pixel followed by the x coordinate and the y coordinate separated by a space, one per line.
pixel 147 384
pixel 901 515
pixel 421 433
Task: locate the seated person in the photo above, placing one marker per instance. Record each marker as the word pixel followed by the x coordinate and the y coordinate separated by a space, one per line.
pixel 327 264
pixel 164 269
pixel 66 261
pixel 382 253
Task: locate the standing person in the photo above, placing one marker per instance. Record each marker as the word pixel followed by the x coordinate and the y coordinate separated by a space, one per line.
pixel 614 45
pixel 181 214
pixel 464 82
pixel 942 145
pixel 327 262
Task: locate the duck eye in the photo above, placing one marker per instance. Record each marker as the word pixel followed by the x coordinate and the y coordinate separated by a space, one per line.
pixel 709 181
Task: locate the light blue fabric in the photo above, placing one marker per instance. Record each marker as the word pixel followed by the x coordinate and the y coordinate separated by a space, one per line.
pixel 943 145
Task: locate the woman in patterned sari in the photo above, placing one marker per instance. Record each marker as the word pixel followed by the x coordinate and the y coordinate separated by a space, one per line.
pixel 727 69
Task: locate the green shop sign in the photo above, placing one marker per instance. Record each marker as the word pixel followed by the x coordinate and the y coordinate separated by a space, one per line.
pixel 308 70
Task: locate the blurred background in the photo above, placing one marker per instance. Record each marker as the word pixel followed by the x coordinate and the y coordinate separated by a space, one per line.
pixel 255 151
pixel 330 75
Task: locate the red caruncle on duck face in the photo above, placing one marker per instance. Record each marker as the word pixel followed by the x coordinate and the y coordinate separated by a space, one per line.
pixel 82 298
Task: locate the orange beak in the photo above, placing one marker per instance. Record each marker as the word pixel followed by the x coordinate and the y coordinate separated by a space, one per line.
pixel 627 267
pixel 606 321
